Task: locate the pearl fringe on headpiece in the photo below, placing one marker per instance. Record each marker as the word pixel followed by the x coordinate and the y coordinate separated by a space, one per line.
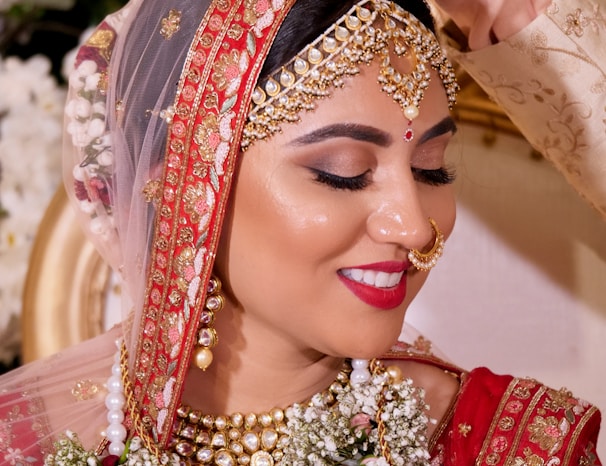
pixel 371 28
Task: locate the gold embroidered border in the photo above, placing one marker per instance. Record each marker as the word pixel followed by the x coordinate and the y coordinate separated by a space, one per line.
pixel 495 421
pixel 160 367
pixel 523 423
pixel 577 432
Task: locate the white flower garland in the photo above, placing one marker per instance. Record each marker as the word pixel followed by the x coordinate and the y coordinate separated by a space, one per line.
pixel 86 125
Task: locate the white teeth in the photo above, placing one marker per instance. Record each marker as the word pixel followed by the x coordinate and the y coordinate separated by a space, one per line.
pixel 356 274
pixel 394 279
pixel 382 280
pixel 373 278
pixel 369 277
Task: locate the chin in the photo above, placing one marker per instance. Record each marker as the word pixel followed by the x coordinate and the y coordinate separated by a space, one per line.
pixel 369 347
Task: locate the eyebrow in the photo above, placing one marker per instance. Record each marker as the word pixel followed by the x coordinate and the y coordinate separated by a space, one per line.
pixel 370 134
pixel 345 130
pixel 444 126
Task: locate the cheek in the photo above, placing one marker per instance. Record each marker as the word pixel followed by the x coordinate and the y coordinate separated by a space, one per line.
pixel 296 210
pixel 439 203
pixel 281 229
pixel 450 212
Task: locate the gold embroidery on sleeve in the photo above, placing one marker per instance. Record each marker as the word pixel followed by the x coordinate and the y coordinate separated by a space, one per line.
pixel 576 23
pixel 548 433
pixel 464 429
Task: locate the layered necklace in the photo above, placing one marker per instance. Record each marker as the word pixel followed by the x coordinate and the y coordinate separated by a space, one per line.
pixel 370 412
pixel 369 415
pixel 254 439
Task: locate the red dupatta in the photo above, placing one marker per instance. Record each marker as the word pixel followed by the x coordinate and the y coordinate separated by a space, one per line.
pixel 213 98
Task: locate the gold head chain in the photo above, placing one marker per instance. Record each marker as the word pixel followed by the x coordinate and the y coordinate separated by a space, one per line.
pixel 369 29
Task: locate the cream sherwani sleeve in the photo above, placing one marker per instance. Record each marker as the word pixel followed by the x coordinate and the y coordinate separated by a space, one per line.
pixel 550 79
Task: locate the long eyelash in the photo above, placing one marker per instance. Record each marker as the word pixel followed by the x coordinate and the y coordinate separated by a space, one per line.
pixel 354 183
pixel 436 177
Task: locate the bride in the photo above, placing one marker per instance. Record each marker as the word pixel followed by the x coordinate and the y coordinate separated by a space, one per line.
pixel 268 179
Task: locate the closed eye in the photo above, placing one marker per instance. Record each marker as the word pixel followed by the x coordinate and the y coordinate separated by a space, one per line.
pixel 352 183
pixel 435 177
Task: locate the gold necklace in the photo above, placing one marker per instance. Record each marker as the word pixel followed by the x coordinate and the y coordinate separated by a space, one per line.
pixel 250 440
pixel 254 439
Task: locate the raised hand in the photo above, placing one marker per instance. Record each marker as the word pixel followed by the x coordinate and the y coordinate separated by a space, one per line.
pixel 487 21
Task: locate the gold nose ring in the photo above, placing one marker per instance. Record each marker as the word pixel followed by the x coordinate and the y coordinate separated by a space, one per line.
pixel 426 260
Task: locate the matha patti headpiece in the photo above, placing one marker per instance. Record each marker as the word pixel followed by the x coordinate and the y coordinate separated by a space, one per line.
pixel 365 32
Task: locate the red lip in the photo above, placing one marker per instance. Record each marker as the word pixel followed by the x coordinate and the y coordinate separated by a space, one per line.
pixel 381 298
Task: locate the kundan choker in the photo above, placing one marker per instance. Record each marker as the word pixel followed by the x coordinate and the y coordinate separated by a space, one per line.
pixel 369 413
pixel 361 416
pixel 254 439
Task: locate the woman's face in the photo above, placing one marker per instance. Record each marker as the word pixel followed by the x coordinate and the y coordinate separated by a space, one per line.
pixel 334 201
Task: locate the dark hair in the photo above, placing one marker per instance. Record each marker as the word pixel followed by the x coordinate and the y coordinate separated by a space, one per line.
pixel 307 19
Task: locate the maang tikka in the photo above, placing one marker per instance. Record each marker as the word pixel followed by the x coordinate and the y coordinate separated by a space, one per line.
pixel 370 29
pixel 207 335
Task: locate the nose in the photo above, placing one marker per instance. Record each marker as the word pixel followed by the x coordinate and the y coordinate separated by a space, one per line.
pixel 400 219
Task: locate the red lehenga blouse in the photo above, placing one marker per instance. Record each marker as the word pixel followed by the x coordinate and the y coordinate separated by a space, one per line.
pixel 501 420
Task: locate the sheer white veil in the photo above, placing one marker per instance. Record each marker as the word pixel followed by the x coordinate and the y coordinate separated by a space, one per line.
pixel 117 166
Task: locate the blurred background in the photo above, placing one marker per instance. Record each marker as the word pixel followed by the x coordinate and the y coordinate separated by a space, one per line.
pixel 35 39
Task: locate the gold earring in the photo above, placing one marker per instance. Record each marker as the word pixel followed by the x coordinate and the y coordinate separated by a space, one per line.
pixel 426 260
pixel 207 335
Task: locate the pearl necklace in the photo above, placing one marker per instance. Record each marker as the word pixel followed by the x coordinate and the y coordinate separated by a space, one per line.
pixel 115 402
pixel 251 439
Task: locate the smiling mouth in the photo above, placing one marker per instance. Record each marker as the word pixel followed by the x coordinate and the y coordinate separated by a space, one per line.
pixel 373 278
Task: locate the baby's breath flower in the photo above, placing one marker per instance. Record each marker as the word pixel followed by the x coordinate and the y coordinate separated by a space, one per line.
pixel 70 452
pixel 346 432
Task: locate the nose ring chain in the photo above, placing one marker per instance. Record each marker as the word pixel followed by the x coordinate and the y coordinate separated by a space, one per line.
pixel 426 260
